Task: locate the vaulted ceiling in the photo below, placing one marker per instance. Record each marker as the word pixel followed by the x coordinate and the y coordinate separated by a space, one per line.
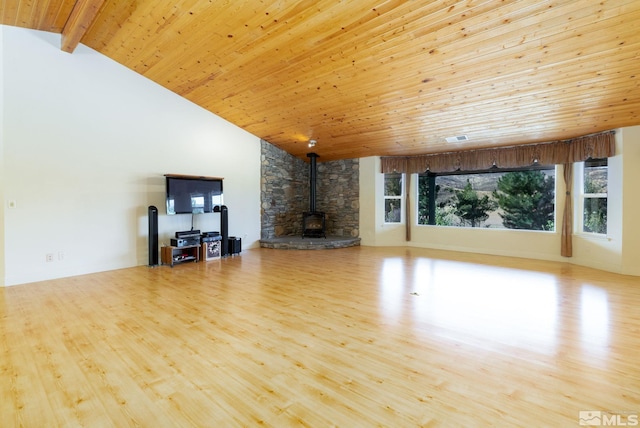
pixel 374 77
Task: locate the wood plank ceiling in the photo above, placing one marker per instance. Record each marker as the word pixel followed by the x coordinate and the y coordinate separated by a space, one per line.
pixel 374 77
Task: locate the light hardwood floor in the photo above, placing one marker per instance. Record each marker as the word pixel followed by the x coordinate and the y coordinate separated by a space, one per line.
pixel 355 337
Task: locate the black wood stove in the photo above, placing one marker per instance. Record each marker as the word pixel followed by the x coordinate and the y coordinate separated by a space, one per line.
pixel 313 221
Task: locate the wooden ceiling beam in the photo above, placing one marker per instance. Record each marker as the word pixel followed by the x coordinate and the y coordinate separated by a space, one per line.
pixel 81 18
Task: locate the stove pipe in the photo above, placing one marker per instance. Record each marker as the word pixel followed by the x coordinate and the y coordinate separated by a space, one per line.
pixel 312 181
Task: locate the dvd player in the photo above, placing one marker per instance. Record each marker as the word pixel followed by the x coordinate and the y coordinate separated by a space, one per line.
pixel 185 242
pixel 188 234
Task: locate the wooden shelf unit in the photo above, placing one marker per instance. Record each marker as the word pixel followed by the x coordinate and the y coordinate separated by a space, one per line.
pixel 175 255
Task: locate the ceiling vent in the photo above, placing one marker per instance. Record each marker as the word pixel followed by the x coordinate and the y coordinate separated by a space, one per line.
pixel 457 139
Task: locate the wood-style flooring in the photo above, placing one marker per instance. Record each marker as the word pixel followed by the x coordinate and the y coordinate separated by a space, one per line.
pixel 354 337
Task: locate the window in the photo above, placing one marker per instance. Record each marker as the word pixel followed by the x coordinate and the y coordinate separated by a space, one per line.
pixel 594 196
pixel 512 199
pixel 393 198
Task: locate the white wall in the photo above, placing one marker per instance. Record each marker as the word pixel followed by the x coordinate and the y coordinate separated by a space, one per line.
pixel 631 200
pixel 2 179
pixel 618 252
pixel 86 143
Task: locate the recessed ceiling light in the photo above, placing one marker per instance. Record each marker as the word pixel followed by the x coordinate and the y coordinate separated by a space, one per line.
pixel 457 139
pixel 312 143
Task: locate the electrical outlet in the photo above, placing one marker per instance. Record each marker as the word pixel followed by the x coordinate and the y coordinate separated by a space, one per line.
pixel 60 255
pixel 11 204
pixel 49 257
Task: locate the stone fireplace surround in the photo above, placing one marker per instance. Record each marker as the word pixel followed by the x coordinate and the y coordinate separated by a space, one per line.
pixel 285 196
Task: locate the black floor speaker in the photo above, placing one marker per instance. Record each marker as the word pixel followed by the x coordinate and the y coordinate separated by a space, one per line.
pixel 153 236
pixel 224 227
pixel 235 245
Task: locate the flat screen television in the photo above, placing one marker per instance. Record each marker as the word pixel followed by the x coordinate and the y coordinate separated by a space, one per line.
pixel 192 194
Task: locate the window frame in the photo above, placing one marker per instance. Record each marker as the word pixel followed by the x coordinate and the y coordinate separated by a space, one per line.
pixel 535 167
pixel 582 196
pixel 400 198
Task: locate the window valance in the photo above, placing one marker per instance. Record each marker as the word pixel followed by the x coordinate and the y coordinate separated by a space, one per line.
pixel 601 145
